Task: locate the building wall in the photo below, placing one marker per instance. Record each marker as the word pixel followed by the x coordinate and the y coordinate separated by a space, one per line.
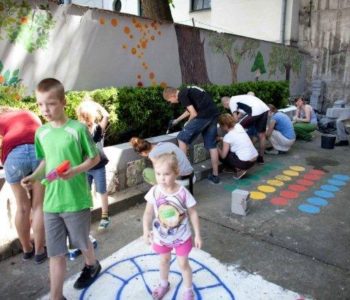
pixel 91 48
pixel 324 34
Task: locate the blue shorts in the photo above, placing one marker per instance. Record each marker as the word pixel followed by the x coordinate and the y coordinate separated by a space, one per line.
pixel 207 127
pixel 20 162
pixel 99 177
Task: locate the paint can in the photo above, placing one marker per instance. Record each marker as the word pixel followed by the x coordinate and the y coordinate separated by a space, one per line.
pixel 328 141
pixel 240 202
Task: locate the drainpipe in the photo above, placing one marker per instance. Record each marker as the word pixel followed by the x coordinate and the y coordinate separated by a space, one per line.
pixel 284 14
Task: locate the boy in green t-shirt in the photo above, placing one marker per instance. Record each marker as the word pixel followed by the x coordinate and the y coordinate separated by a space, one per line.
pixel 67 200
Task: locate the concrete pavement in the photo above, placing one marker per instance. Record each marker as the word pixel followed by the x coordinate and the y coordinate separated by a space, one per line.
pixel 306 251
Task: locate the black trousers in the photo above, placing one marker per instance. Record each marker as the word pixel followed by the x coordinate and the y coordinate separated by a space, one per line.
pixel 232 161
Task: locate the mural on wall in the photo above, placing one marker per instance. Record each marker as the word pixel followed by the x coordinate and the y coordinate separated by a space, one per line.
pixel 191 52
pixel 7 77
pixel 25 25
pixel 258 66
pixel 234 49
pixel 134 172
pixel 284 59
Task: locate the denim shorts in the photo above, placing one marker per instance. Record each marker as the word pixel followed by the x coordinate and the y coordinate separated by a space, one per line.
pixel 99 177
pixel 207 127
pixel 20 162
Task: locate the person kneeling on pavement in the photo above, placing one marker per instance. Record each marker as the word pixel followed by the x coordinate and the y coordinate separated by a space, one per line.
pixel 238 151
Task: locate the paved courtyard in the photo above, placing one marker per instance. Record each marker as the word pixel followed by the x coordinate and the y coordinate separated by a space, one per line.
pixel 296 236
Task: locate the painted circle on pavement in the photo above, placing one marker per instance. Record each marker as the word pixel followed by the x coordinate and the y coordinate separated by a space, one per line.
pixel 297 188
pixel 289 194
pixel 305 182
pixel 317 172
pixel 279 201
pixel 324 194
pixel 255 195
pixel 283 177
pixel 313 177
pixel 290 173
pixel 275 182
pixel 310 209
pixel 266 188
pixel 341 177
pixel 336 182
pixel 317 201
pixel 297 168
pixel 329 188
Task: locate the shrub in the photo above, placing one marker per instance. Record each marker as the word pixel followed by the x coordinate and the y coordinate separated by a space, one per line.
pixel 142 111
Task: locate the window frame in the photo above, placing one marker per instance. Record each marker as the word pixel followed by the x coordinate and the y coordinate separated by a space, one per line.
pixel 192 2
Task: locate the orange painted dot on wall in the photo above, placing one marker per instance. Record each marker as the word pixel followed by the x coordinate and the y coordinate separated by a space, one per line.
pixel 131 36
pixel 151 75
pixel 140 84
pixel 126 30
pixel 102 21
pixel 133 51
pixel 138 46
pixel 114 22
pixel 125 46
pixel 144 44
pixel 159 33
pixel 138 76
pixel 152 37
pixel 133 20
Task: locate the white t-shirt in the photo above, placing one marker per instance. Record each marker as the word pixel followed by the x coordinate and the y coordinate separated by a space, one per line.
pixel 170 209
pixel 167 147
pixel 240 143
pixel 248 104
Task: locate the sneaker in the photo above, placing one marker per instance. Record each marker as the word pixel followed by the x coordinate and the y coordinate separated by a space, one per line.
pixel 28 255
pixel 342 143
pixel 104 223
pixel 214 179
pixel 260 160
pixel 40 258
pixel 239 174
pixel 87 276
pixel 272 152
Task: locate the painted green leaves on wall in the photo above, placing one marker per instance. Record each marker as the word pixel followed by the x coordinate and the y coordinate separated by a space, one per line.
pixel 284 59
pixel 234 48
pixel 22 24
pixel 7 77
pixel 258 66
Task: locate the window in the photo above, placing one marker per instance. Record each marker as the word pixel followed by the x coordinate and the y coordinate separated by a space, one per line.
pixel 140 9
pixel 117 5
pixel 200 4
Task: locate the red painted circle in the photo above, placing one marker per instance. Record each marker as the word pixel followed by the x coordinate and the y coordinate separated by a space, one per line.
pixel 289 194
pixel 297 188
pixel 280 201
pixel 305 182
pixel 313 177
pixel 317 172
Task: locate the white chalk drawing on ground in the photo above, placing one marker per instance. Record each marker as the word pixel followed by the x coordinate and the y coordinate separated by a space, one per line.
pixel 132 272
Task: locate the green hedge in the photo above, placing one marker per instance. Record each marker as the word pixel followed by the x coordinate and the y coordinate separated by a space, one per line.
pixel 142 111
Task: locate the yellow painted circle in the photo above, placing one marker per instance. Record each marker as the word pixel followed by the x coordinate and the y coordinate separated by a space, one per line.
pixel 290 173
pixel 266 188
pixel 297 168
pixel 257 195
pixel 283 177
pixel 275 182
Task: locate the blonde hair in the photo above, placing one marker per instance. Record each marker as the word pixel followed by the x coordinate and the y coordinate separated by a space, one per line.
pixel 227 120
pixel 87 111
pixel 168 159
pixel 168 92
pixel 140 145
pixel 51 85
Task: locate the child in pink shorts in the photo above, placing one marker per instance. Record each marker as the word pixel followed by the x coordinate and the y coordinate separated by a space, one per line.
pixel 173 207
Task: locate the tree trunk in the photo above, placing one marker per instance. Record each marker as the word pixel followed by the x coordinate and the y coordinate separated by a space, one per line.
pixel 288 67
pixel 191 54
pixel 234 68
pixel 156 10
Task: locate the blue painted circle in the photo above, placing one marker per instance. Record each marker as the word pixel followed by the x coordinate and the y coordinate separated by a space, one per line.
pixel 329 188
pixel 317 201
pixel 309 209
pixel 324 194
pixel 341 177
pixel 336 182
